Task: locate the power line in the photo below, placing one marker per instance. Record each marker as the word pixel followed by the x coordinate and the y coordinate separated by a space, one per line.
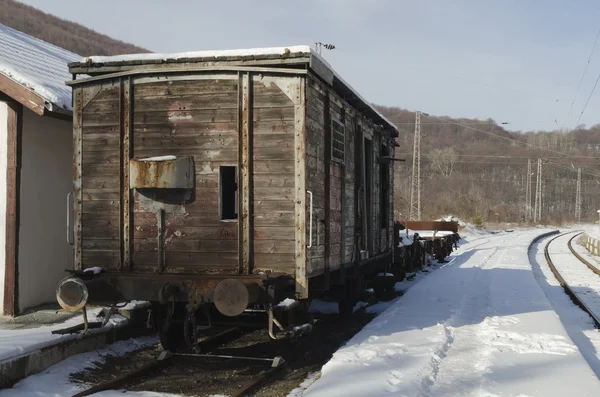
pixel 503 156
pixel 588 101
pixel 581 80
pixel 573 169
pixel 421 68
pixel 507 138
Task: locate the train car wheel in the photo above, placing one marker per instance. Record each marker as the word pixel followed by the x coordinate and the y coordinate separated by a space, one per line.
pixel 171 339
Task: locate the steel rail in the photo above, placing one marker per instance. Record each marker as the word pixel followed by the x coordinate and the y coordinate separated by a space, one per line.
pixel 581 258
pixel 163 360
pixel 564 284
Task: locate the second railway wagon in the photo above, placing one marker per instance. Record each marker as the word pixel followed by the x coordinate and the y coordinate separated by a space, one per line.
pixel 225 179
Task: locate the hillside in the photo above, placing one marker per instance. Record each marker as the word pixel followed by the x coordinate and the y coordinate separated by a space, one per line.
pixel 66 34
pixel 469 167
pixel 476 167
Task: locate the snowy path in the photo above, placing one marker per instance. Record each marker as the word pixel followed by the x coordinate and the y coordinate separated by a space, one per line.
pixel 480 326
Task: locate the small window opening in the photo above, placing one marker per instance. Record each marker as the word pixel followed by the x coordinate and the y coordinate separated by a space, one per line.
pixel 228 194
pixel 338 147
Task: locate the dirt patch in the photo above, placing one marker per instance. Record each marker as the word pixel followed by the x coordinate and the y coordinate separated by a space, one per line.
pixel 203 377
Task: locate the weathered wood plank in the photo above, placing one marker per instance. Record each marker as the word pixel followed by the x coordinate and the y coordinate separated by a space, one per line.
pixel 274 167
pixel 274 247
pixel 283 262
pixel 176 244
pixel 106 259
pixel 267 207
pixel 101 245
pixel 273 180
pixel 301 202
pixel 10 280
pixel 274 193
pixel 197 129
pixel 100 206
pixel 225 232
pixel 273 233
pixel 101 194
pixel 185 103
pixel 191 261
pixel 281 219
pixel 245 226
pixel 270 153
pixel 189 87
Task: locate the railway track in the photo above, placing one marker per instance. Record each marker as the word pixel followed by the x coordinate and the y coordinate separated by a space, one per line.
pixel 563 283
pixel 241 363
pixel 206 345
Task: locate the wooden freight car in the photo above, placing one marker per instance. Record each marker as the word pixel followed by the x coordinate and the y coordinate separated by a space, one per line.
pixel 231 178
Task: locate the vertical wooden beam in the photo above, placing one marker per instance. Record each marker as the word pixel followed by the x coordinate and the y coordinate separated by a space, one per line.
pixel 327 118
pixel 343 203
pixel 126 111
pixel 77 174
pixel 300 185
pixel 13 187
pixel 246 198
pixel 358 196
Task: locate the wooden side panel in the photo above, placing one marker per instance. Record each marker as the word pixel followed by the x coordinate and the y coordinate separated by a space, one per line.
pixel 335 183
pixel 100 178
pixel 197 118
pixel 315 172
pixel 274 161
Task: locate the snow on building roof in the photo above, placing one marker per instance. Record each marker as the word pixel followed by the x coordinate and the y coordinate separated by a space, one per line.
pixel 39 66
pixel 239 53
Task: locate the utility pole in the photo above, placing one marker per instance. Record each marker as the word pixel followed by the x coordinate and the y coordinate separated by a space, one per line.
pixel 415 188
pixel 528 193
pixel 537 210
pixel 578 197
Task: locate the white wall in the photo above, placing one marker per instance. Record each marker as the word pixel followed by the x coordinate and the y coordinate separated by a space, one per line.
pixel 46 178
pixel 3 137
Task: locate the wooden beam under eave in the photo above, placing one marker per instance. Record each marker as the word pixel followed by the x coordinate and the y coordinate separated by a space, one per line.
pixel 23 95
pixel 13 182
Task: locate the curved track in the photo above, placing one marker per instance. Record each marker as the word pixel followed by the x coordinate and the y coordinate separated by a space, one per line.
pixel 570 291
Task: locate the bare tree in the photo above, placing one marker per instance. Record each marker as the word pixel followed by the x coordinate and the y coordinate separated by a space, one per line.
pixel 443 160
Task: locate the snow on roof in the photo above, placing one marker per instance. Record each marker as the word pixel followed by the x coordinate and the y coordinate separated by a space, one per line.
pixel 249 52
pixel 37 65
pixel 199 54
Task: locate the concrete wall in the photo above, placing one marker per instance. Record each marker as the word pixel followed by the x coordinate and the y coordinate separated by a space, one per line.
pixel 3 133
pixel 46 178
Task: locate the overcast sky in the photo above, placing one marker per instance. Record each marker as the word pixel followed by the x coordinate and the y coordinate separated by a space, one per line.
pixel 518 61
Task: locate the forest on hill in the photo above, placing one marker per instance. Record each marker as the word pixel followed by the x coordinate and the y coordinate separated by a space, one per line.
pixel 66 34
pixel 473 168
pixel 469 168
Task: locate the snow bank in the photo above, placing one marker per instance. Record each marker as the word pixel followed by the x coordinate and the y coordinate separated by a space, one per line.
pixel 16 342
pixel 478 326
pixel 54 381
pixel 38 65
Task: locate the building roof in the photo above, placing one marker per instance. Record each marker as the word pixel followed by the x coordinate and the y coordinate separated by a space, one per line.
pixel 276 56
pixel 34 72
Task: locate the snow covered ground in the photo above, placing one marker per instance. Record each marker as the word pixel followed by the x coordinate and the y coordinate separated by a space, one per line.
pixel 584 282
pixel 491 322
pixel 54 382
pixel 479 326
pixel 578 324
pixel 15 342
